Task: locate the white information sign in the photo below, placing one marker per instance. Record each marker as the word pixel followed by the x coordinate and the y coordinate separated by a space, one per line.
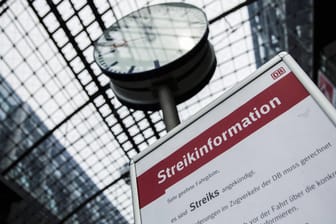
pixel 263 153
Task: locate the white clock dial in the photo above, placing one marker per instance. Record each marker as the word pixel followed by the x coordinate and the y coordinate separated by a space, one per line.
pixel 150 38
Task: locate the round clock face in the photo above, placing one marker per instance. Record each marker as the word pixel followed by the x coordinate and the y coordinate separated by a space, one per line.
pixel 150 38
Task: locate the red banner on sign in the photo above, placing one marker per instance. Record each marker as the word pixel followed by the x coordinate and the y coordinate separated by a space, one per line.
pixel 247 119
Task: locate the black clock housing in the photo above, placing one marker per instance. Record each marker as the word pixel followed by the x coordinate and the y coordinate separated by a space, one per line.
pixel 163 44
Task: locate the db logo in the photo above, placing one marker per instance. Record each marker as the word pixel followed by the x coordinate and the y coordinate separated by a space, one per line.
pixel 279 72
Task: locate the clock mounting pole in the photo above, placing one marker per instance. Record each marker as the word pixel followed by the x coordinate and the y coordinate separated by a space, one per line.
pixel 168 107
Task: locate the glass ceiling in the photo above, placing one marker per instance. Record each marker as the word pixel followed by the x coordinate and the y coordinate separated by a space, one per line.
pixel 65 139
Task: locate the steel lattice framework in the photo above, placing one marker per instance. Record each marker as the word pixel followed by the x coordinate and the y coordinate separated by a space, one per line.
pixel 65 140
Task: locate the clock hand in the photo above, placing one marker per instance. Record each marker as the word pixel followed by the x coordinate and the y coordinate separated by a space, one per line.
pixel 111 43
pixel 114 44
pixel 150 36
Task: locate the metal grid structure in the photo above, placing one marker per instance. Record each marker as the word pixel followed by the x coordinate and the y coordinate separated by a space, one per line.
pixel 65 140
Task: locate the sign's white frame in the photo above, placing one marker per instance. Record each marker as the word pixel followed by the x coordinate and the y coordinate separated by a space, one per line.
pixel 282 57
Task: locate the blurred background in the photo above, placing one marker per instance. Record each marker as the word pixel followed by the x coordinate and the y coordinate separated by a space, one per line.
pixel 66 141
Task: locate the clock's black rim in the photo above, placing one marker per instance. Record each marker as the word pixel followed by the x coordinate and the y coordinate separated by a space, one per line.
pixel 161 71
